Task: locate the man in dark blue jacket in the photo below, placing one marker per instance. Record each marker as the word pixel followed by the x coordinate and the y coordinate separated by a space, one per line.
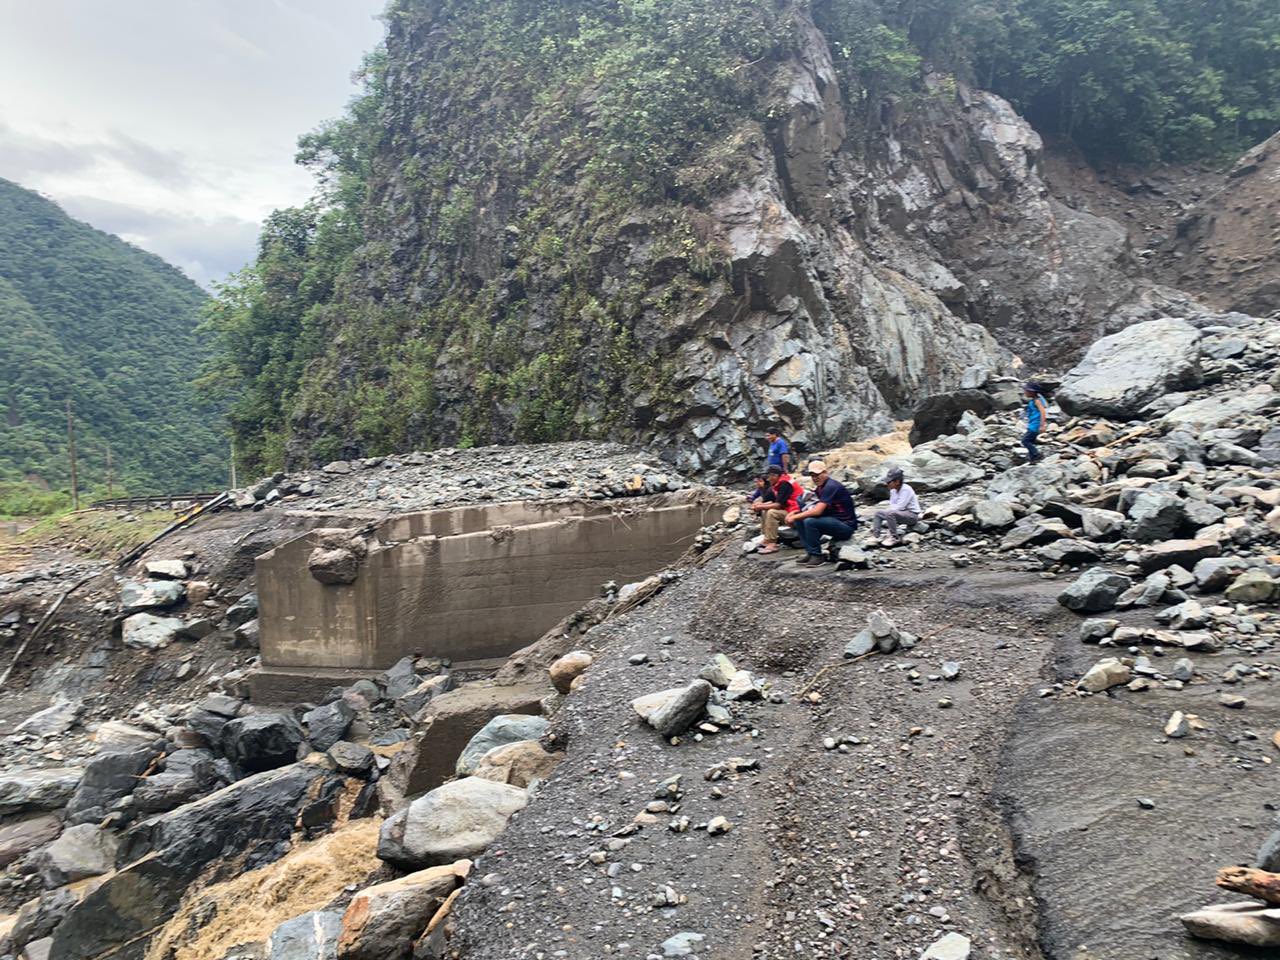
pixel 833 514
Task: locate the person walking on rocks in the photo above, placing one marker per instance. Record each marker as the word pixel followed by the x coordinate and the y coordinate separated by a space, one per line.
pixel 1036 415
pixel 779 450
pixel 782 497
pixel 832 515
pixel 904 507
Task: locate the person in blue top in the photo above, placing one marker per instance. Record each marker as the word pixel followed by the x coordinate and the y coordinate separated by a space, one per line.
pixel 779 450
pixel 832 514
pixel 1036 416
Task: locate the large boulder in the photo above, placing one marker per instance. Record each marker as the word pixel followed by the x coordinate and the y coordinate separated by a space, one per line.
pixel 500 731
pixel 1184 553
pixel 261 741
pixel 1155 515
pixel 382 921
pixel 187 774
pixel 518 764
pixel 925 470
pixel 312 936
pixel 328 723
pixel 19 839
pixel 1094 591
pixel 454 821
pixel 939 414
pixel 53 720
pixel 146 631
pixel 45 789
pixel 150 594
pixel 84 850
pixel 243 826
pixel 108 778
pixel 1124 372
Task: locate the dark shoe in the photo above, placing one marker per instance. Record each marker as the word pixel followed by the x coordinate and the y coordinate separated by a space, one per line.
pixel 808 558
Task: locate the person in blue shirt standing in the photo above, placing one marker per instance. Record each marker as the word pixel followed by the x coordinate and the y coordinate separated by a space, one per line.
pixel 832 514
pixel 1036 416
pixel 779 450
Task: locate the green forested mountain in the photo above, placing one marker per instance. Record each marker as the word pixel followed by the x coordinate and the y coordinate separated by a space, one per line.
pixel 87 317
pixel 463 276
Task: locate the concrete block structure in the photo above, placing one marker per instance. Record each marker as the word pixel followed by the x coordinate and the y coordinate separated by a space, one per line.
pixel 468 583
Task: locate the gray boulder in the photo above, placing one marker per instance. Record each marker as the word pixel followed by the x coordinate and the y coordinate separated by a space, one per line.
pixel 84 850
pixel 261 741
pixel 166 569
pixel 53 720
pixel 146 631
pixel 187 775
pixel 352 758
pixel 993 514
pixel 243 610
pixel 20 838
pixel 312 936
pixel 454 821
pixel 108 778
pixel 1122 373
pixel 45 789
pixel 1156 516
pixel 327 724
pixel 159 858
pixel 1095 590
pixel 1214 573
pixel 150 594
pixel 675 715
pixel 400 678
pixel 939 414
pixel 498 732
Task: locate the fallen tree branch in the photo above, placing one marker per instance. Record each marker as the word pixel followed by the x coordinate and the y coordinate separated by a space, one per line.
pixel 1261 884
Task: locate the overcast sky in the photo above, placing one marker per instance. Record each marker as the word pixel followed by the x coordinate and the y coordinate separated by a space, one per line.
pixel 173 123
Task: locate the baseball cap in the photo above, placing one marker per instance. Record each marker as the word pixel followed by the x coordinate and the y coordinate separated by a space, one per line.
pixel 815 467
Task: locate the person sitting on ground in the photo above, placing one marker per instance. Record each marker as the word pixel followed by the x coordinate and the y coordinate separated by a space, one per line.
pixel 783 497
pixel 760 488
pixel 833 515
pixel 904 506
pixel 1036 415
pixel 779 450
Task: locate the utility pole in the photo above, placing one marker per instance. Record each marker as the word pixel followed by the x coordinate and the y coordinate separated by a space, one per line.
pixel 71 451
pixel 111 487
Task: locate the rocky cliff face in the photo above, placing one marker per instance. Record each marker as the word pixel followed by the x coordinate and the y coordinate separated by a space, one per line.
pixel 818 268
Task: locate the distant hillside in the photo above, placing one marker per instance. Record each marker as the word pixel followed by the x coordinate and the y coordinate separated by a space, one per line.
pixel 86 316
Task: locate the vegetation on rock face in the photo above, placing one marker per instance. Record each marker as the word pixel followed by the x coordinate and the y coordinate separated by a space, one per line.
pixel 87 317
pixel 471 202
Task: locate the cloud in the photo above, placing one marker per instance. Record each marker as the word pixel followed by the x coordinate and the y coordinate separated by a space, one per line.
pixel 26 156
pixel 206 249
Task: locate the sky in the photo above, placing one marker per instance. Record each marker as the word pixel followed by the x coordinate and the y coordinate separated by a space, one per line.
pixel 173 123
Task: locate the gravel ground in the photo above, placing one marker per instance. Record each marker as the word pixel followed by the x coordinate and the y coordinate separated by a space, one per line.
pixel 874 852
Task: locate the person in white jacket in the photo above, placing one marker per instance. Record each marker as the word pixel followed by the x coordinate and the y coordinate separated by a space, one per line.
pixel 904 507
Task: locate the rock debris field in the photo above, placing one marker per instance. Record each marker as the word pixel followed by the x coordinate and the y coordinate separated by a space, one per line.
pixel 1038 728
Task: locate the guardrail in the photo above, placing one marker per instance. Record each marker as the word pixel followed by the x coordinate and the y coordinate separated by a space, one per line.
pixel 171 501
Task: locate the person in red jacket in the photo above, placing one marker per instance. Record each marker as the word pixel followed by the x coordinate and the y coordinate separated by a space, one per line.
pixel 782 497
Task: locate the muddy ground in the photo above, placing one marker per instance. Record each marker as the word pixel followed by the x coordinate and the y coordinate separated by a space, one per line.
pixel 878 851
